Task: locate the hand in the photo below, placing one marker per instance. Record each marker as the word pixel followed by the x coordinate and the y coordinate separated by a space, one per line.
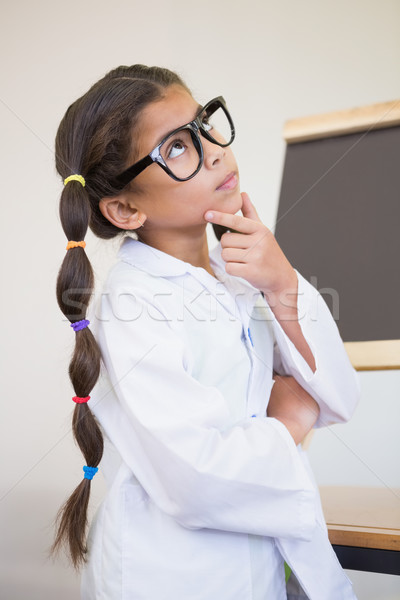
pixel 253 252
pixel 293 406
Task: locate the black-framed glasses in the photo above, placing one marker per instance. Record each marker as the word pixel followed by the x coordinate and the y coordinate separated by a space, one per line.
pixel 180 153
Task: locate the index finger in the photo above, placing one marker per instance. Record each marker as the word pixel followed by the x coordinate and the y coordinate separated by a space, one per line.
pixel 237 222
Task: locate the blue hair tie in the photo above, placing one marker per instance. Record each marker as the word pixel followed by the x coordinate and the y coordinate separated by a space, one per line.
pixel 90 472
pixel 78 325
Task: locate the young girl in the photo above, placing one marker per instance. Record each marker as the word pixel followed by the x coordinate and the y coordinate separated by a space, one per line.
pixel 209 491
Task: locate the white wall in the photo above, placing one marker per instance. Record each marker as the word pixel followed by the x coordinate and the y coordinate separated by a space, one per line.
pixel 272 61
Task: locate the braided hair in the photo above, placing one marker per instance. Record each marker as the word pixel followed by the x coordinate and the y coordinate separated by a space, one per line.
pixel 94 140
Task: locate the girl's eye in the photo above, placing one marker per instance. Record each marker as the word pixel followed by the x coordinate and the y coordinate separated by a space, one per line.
pixel 176 149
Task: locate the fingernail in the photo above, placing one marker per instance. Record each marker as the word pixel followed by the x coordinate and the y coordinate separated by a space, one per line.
pixel 209 215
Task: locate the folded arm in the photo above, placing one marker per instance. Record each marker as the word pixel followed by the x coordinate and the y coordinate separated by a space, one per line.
pixel 334 383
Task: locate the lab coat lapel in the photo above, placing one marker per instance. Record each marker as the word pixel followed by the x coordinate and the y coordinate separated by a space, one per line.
pixel 241 291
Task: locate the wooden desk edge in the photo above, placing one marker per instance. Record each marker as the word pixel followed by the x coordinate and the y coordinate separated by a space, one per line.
pixel 342 535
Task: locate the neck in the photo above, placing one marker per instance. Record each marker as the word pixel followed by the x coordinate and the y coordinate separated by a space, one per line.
pixel 191 247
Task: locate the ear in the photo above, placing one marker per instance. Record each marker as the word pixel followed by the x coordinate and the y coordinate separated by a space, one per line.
pixel 121 212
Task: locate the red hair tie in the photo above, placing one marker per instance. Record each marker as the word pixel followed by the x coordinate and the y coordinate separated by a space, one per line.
pixel 79 400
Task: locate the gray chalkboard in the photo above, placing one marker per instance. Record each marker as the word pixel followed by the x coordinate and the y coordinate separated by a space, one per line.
pixel 338 223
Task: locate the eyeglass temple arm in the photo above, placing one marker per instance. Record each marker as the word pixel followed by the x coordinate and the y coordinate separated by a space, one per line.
pixel 133 171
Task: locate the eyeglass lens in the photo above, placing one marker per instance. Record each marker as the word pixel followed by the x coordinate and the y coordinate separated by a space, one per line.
pixel 181 151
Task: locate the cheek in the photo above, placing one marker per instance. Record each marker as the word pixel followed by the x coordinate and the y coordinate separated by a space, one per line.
pixel 156 185
pixel 194 188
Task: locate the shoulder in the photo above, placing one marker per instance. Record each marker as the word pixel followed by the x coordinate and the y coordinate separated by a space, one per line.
pixel 132 289
pixel 125 276
pixel 135 269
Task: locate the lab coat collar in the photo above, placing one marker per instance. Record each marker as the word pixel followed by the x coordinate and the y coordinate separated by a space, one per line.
pixel 241 297
pixel 149 259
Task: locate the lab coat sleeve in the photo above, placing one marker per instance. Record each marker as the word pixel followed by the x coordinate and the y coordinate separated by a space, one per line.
pixel 335 384
pixel 172 433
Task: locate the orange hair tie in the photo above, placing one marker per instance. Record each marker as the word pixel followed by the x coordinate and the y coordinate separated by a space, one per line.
pixel 72 244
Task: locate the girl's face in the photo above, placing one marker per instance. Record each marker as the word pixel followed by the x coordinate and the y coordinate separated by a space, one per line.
pixel 173 205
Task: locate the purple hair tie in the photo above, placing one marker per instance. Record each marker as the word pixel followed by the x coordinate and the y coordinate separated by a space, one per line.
pixel 78 325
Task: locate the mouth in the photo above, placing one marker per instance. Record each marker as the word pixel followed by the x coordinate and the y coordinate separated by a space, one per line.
pixel 229 183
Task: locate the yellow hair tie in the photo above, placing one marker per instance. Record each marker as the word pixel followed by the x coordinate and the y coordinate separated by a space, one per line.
pixel 75 178
pixel 72 244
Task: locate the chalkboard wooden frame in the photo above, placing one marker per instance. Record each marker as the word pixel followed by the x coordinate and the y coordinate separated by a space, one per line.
pixel 371 354
pixel 343 122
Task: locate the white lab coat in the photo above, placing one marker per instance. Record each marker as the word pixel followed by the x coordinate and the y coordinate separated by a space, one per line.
pixel 207 495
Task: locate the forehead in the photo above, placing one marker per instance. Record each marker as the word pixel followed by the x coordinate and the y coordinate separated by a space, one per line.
pixel 176 108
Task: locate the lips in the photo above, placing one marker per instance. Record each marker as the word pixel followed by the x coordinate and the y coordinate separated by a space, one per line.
pixel 229 182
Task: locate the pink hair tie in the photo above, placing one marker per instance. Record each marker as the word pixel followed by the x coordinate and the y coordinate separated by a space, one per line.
pixel 79 400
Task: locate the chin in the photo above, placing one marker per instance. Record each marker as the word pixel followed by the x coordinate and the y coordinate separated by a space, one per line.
pixel 231 203
pixel 236 203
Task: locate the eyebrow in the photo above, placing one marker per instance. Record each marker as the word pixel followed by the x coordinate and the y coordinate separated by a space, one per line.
pixel 199 109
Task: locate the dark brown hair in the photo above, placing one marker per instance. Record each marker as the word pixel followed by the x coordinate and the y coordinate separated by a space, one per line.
pixel 95 139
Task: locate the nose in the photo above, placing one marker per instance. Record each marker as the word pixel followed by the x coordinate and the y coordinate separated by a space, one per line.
pixel 213 154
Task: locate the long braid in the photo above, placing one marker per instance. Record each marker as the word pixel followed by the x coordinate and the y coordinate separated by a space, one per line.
pixel 95 140
pixel 74 289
